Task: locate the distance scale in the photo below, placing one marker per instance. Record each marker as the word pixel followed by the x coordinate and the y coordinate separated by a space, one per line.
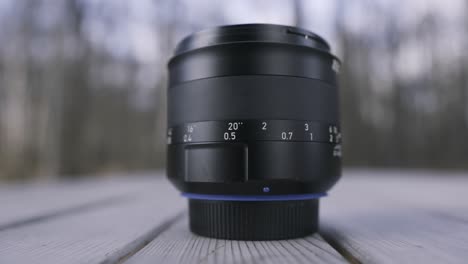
pixel 254 130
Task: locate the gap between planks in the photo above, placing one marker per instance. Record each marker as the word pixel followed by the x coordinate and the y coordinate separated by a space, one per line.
pixel 66 211
pixel 178 245
pixel 132 248
pixel 28 203
pixel 98 234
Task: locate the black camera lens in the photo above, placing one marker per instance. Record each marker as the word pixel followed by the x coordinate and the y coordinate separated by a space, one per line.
pixel 253 130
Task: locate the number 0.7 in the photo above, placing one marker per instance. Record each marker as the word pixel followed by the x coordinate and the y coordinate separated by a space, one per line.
pixel 286 135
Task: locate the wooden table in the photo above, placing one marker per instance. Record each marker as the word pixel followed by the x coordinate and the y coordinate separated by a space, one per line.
pixel 369 217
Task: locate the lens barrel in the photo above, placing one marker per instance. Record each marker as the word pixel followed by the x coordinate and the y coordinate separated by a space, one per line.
pixel 253 130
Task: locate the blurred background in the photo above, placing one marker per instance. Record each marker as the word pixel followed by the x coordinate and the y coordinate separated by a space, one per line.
pixel 82 82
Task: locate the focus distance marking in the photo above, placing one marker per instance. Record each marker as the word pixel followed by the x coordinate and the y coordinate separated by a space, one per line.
pixel 254 130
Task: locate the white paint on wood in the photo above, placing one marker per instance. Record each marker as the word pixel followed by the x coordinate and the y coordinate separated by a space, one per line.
pixel 94 236
pixel 25 203
pixel 398 217
pixel 377 217
pixel 179 245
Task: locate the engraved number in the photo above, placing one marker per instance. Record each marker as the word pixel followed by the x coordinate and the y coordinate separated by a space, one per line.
pixel 286 135
pixel 233 125
pixel 229 136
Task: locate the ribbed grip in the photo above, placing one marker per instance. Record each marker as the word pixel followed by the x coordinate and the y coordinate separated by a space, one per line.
pixel 266 220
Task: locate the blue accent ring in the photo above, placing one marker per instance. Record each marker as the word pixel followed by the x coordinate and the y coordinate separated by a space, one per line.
pixel 253 198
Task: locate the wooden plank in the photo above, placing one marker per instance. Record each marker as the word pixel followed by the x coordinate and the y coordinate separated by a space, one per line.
pixel 26 203
pixel 100 235
pixel 398 217
pixel 179 245
pixel 370 217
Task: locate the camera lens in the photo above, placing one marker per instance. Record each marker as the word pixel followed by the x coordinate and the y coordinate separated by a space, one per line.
pixel 253 130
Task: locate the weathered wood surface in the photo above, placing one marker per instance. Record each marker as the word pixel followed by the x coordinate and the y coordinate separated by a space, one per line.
pixel 26 203
pixel 394 218
pixel 178 245
pixel 104 233
pixel 369 217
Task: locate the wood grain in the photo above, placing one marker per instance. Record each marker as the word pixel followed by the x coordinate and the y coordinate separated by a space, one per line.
pixel 395 217
pixel 27 203
pixel 369 217
pixel 99 235
pixel 179 245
